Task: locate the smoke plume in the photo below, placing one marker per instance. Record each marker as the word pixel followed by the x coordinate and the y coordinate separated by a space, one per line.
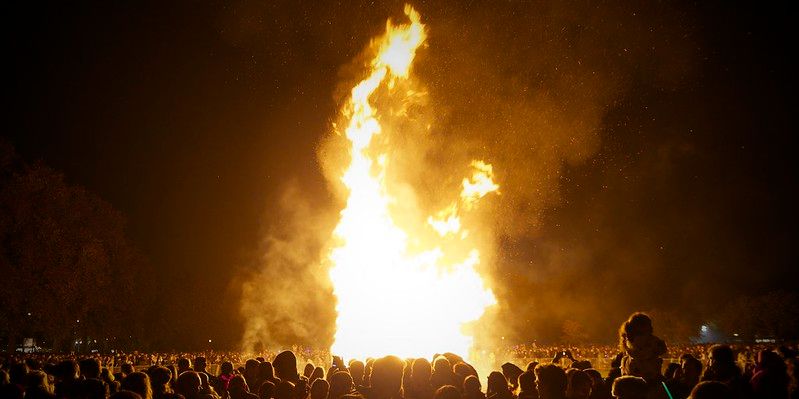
pixel 524 86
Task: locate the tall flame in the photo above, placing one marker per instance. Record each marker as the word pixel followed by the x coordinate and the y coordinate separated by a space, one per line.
pixel 390 300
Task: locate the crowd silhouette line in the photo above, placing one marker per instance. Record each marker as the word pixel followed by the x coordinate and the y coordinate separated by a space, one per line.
pixel 638 371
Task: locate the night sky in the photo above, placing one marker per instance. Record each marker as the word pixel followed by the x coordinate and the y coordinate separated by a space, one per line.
pixel 193 119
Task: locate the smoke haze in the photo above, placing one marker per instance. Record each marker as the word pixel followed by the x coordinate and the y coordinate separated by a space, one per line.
pixel 644 152
pixel 529 88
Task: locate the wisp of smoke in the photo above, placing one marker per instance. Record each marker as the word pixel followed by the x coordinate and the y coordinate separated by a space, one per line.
pixel 524 86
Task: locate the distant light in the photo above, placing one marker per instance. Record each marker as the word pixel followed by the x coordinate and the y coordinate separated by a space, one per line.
pixel 78 320
pixel 209 341
pixel 29 313
pixel 704 328
pixel 736 334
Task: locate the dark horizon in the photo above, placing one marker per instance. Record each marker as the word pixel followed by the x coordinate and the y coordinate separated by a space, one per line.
pixel 194 120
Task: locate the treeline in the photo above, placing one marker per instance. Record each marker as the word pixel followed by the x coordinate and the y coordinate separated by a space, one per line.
pixel 771 315
pixel 69 272
pixel 745 318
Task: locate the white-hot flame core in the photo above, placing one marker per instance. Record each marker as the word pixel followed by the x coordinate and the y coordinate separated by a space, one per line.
pixel 389 300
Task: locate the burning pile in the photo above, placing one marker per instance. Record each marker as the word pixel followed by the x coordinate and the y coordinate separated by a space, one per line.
pixel 392 299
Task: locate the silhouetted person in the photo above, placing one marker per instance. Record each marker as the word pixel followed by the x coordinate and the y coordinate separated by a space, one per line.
pixel 92 388
pixel 308 370
pixel 285 365
pixel 712 390
pixel 207 385
pixel 9 390
pixel 252 373
pixel 267 372
pixel 340 384
pixel 527 389
pixel 357 369
pixel 771 377
pixel 90 368
pixel 451 357
pixel 91 371
pixel 37 386
pixel 160 378
pixel 578 384
pixel 319 374
pixel 447 392
pixel 319 389
pixel 225 375
pixel 124 369
pixel 367 374
pixel 110 380
pixel 721 367
pixel 16 376
pixel 238 388
pixel 138 382
pixel 642 349
pixel 462 370
pixel 208 381
pixel 615 369
pixel 686 377
pixel 442 373
pixel 599 389
pixel 630 387
pixel 671 371
pixel 67 383
pixel 498 387
pixel 189 385
pixel 184 365
pixel 472 388
pixel 512 373
pixel 550 381
pixel 284 390
pixel 386 378
pixel 267 390
pixel 418 385
pixel 793 373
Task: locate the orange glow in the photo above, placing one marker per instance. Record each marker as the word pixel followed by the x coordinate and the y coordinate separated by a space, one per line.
pixel 391 300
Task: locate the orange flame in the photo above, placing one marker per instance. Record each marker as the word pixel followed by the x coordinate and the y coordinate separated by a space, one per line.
pixel 389 300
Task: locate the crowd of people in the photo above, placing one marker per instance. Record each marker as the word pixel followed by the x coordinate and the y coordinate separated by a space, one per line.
pixel 597 351
pixel 637 371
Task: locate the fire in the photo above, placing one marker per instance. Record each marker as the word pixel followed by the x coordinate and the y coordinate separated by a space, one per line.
pixel 390 299
pixel 480 184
